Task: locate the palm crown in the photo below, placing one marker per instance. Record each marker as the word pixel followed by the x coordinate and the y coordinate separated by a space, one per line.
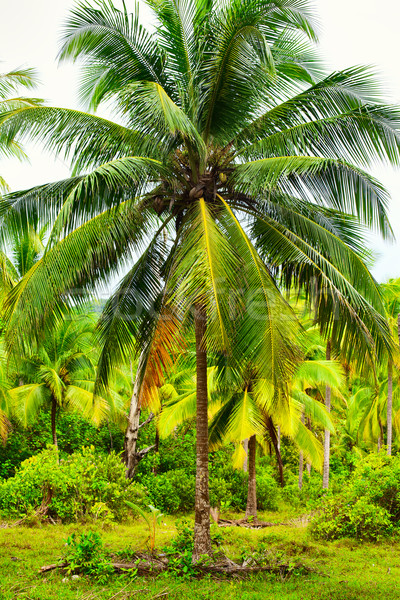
pixel 227 171
pixel 59 375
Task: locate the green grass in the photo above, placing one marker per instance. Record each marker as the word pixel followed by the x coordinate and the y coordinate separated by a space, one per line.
pixel 345 570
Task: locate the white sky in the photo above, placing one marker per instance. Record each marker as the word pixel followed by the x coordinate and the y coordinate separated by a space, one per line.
pixel 352 32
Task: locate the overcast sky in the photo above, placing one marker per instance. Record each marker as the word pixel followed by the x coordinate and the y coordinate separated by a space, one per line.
pixel 352 32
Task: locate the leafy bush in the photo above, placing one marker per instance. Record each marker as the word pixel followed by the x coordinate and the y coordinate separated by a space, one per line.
pixel 174 491
pixel 86 556
pixel 311 490
pixel 86 485
pixel 378 478
pixel 176 452
pixel 368 507
pixel 171 492
pixel 341 517
pixel 232 484
pixel 73 433
pixel 268 492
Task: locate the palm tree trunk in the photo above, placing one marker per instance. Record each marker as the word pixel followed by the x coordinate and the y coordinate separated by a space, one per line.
pixel 202 536
pixel 279 455
pixel 308 464
pixel 301 467
pixel 273 434
pixel 251 507
pixel 301 462
pixel 398 328
pixel 246 449
pixel 389 407
pixel 381 436
pixel 53 420
pixel 327 433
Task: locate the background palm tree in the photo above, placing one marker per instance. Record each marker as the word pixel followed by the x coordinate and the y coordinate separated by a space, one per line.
pixel 20 254
pixel 59 376
pixel 230 138
pixel 23 250
pixel 244 407
pixel 391 292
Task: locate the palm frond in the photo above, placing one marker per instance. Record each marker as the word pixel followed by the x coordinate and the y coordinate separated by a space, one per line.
pixel 265 333
pixel 330 182
pixel 341 310
pixel 60 130
pixel 72 267
pixel 26 401
pixel 115 48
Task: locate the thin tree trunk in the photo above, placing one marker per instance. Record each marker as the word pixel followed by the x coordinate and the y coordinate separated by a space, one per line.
pixel 111 437
pixel 327 433
pixel 301 467
pixel 156 449
pixel 301 462
pixel 131 456
pixel 53 420
pixel 278 437
pixel 251 507
pixel 280 467
pixel 273 434
pixel 202 536
pixel 381 436
pixel 246 458
pixel 389 407
pixel 398 327
pixel 132 431
pixel 308 464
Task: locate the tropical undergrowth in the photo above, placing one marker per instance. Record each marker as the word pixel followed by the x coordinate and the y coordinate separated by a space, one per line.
pixel 367 508
pixel 84 486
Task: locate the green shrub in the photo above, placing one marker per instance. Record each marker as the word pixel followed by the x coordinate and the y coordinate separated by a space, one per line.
pixel 86 485
pixel 232 484
pixel 368 507
pixel 310 492
pixel 378 478
pixel 73 432
pixel 162 493
pixel 86 556
pixel 268 492
pixel 174 491
pixel 341 517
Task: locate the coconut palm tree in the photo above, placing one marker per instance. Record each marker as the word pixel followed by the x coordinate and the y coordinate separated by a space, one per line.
pixel 25 248
pixel 255 410
pixel 230 138
pixel 371 406
pixel 391 292
pixel 23 251
pixel 59 375
pixel 246 407
pixel 4 398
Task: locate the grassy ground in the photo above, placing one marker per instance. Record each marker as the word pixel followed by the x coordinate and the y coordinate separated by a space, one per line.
pixel 345 570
